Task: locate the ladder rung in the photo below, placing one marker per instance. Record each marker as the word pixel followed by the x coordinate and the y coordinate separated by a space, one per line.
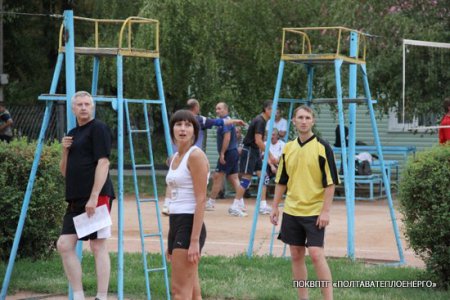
pixel 143 166
pixel 138 130
pixel 156 269
pixel 151 234
pixel 344 100
pixel 148 200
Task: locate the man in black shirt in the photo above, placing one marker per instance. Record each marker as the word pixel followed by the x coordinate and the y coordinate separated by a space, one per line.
pixel 6 123
pixel 85 165
pixel 251 157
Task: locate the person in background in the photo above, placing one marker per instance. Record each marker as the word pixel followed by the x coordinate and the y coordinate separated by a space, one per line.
pixel 227 164
pixel 6 123
pixel 276 149
pixel 308 173
pixel 337 142
pixel 251 157
pixel 444 133
pixel 205 123
pixel 85 166
pixel 280 124
pixel 188 179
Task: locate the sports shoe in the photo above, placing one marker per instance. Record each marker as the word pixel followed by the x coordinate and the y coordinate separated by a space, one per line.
pixel 237 212
pixel 210 205
pixel 165 210
pixel 242 206
pixel 265 210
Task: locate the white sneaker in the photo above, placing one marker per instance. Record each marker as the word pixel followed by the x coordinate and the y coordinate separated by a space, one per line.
pixel 210 205
pixel 165 210
pixel 265 210
pixel 237 212
pixel 242 206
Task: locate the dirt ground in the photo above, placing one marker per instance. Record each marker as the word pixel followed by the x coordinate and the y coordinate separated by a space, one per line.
pixel 227 235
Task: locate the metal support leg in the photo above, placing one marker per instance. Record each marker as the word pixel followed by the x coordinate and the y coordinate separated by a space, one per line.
pixel 37 157
pixel 348 199
pixel 266 156
pixel 120 152
pixel 383 167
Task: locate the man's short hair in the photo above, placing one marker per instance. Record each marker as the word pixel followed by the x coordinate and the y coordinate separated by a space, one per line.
pixel 267 103
pixel 81 94
pixel 184 115
pixel 224 105
pixel 446 104
pixel 192 103
pixel 306 108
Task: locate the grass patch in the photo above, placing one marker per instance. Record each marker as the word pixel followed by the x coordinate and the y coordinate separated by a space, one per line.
pixel 238 277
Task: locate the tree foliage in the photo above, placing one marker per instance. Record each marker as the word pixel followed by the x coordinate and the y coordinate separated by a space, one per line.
pixel 227 50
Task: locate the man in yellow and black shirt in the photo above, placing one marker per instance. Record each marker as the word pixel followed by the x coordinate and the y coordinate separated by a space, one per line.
pixel 308 172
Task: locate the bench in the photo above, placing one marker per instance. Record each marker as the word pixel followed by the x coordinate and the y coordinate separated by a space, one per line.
pixel 403 151
pixel 363 182
pixel 389 164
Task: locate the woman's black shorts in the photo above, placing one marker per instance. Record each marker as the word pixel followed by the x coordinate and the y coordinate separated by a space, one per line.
pixel 180 232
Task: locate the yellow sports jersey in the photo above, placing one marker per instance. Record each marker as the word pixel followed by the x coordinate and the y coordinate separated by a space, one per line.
pixel 306 168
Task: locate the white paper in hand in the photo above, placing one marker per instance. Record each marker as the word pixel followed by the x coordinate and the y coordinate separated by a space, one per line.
pixel 101 219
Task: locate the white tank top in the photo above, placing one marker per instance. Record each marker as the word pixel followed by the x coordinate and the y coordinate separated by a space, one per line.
pixel 182 199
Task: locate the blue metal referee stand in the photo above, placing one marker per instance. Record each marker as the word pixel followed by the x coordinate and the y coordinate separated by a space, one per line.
pixel 125 47
pixel 305 46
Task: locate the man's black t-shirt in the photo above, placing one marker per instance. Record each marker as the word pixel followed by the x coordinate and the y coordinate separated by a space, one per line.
pixel 91 142
pixel 258 125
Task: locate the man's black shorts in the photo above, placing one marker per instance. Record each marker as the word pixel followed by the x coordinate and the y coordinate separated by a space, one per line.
pixel 250 157
pixel 180 229
pixel 301 231
pixel 231 163
pixel 75 208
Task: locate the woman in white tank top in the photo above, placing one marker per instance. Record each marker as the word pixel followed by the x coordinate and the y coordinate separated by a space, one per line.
pixel 188 178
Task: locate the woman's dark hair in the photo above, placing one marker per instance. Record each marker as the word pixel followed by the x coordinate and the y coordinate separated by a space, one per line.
pixel 184 115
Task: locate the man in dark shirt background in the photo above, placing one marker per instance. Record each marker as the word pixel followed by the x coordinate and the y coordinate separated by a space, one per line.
pixel 6 123
pixel 250 157
pixel 85 165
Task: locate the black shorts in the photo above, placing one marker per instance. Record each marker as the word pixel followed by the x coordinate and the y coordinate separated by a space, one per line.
pixel 301 231
pixel 249 160
pixel 231 163
pixel 75 208
pixel 180 229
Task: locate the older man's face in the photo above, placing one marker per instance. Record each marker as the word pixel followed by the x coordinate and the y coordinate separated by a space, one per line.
pixel 83 109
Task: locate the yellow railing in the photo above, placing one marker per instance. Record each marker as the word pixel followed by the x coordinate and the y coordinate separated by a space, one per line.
pixel 125 32
pixel 309 46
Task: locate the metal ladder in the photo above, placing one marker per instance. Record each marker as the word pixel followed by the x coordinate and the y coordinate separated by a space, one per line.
pixel 66 52
pixel 151 200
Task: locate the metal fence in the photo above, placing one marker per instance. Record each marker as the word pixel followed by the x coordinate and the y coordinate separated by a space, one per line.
pixel 28 121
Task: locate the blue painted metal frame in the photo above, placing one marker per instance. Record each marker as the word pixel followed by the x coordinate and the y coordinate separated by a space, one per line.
pixel 266 157
pixel 118 104
pixel 120 148
pixel 347 158
pixel 386 181
pixel 29 190
pixel 163 107
pixel 350 176
pixel 349 201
